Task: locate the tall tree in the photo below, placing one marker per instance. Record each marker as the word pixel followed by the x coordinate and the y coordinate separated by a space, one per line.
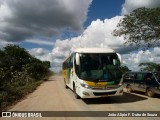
pixel 16 56
pixel 149 66
pixel 124 69
pixel 141 27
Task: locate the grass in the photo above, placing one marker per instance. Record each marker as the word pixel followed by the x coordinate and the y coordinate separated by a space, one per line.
pixel 14 94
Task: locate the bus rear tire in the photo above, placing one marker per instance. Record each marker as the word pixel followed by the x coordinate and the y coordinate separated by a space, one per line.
pixel 65 84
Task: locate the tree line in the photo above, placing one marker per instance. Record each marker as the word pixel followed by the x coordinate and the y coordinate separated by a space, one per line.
pixel 20 73
pixel 147 66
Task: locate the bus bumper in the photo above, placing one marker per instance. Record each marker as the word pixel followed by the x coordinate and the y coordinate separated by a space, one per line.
pixel 90 93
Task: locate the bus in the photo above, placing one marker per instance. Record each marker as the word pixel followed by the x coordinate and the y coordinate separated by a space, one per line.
pixel 93 73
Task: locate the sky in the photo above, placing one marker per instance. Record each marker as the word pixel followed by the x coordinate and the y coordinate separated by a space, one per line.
pixel 51 29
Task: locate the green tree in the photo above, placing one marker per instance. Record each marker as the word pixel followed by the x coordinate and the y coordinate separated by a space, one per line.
pixel 124 69
pixel 17 66
pixel 38 69
pixel 16 56
pixel 47 64
pixel 2 60
pixel 149 66
pixel 141 27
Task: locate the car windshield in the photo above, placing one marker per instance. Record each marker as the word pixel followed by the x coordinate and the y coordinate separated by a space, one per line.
pixel 100 67
pixel 157 75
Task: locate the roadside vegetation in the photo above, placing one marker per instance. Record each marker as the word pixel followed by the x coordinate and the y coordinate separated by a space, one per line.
pixel 124 69
pixel 20 74
pixel 150 66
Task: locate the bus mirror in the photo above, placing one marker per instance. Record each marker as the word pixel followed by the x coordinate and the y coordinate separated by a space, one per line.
pixel 119 57
pixel 77 59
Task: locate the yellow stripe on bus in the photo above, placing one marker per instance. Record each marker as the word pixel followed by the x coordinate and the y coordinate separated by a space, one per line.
pixel 96 84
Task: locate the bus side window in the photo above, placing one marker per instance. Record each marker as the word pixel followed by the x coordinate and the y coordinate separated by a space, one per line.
pixel 77 67
pixel 70 62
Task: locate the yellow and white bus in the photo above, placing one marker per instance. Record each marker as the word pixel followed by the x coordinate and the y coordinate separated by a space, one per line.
pixel 93 72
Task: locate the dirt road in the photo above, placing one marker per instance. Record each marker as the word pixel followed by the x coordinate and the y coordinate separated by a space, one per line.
pixel 52 96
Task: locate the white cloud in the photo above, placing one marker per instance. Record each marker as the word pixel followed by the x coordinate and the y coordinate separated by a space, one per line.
pixel 133 59
pixel 131 5
pixel 5 11
pixel 40 42
pixel 24 19
pixel 98 34
pixel 55 58
pixel 156 51
pixel 4 43
pixel 38 52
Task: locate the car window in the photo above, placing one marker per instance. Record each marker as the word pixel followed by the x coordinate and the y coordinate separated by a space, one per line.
pixel 150 76
pixel 139 76
pixel 157 75
pixel 129 76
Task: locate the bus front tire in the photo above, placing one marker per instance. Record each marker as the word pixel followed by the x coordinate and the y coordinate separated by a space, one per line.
pixel 74 90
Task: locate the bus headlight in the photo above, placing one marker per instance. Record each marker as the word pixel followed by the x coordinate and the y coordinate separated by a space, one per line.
pixel 86 86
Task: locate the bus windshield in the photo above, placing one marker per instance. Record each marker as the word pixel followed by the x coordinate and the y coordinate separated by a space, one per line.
pixel 99 67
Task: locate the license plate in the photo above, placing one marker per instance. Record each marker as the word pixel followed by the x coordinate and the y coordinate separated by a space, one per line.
pixel 106 95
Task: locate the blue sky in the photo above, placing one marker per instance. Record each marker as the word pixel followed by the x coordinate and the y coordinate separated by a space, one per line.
pixel 51 29
pixel 102 9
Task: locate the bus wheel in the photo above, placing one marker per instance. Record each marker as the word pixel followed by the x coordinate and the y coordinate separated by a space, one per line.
pixel 65 84
pixel 149 92
pixel 129 89
pixel 74 90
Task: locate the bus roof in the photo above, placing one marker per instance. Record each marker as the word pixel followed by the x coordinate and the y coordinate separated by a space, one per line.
pixel 94 50
pixel 91 50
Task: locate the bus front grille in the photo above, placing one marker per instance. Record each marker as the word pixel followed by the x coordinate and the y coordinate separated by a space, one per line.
pixel 104 93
